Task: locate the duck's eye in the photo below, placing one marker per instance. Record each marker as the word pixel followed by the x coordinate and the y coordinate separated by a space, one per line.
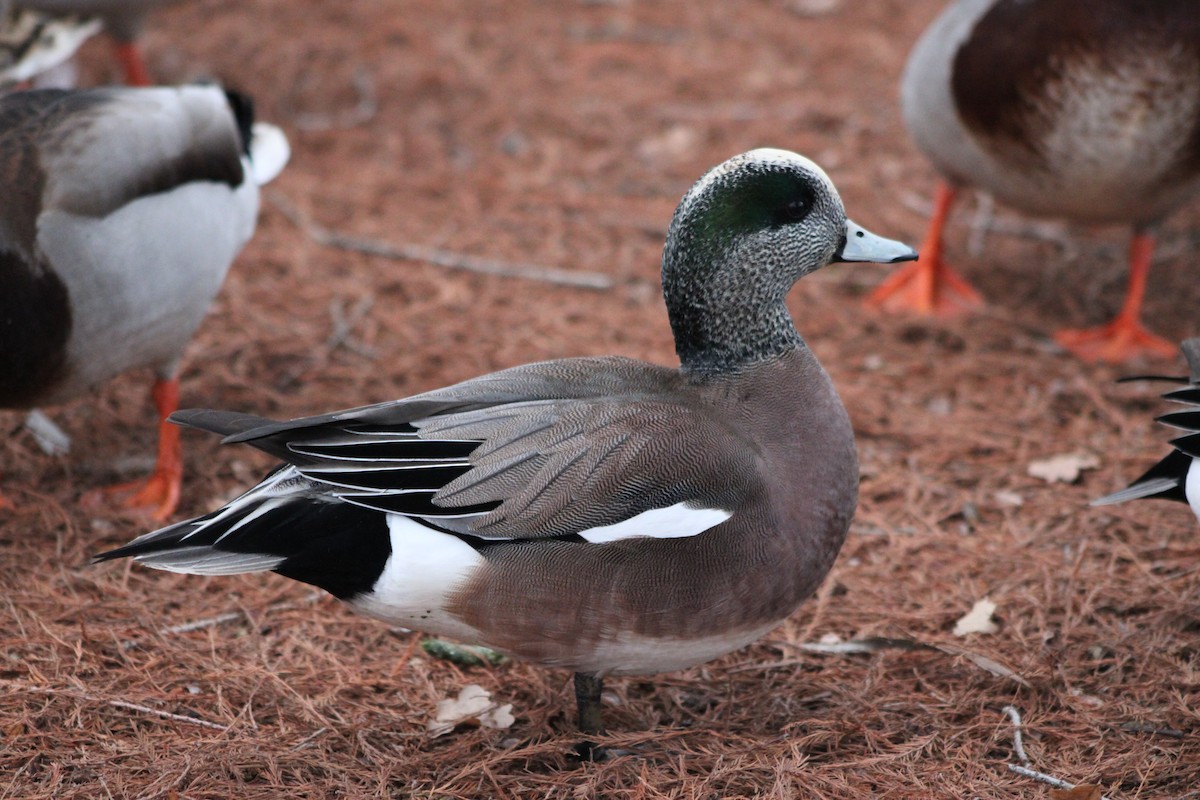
pixel 796 210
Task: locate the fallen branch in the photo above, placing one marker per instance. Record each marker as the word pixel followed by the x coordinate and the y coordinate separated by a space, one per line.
pixel 879 643
pixel 125 704
pixel 1018 743
pixel 166 714
pixel 442 258
pixel 343 326
pixel 231 616
pixel 1023 768
pixel 366 106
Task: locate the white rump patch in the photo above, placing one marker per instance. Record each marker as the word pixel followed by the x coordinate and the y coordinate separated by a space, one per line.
pixel 1191 488
pixel 425 568
pixel 674 522
pixel 269 152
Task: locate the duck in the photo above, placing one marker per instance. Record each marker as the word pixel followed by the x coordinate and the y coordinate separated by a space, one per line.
pixel 121 210
pixel 602 515
pixel 123 21
pixel 1074 109
pixel 1176 476
pixel 31 42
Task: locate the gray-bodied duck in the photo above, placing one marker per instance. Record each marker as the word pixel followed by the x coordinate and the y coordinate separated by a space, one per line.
pixel 601 515
pixel 1087 110
pixel 123 21
pixel 121 210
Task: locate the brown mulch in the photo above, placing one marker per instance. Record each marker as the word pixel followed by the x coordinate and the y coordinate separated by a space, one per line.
pixel 562 135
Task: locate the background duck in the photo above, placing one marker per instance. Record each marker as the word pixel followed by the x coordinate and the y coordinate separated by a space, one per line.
pixel 120 213
pixel 32 42
pixel 1084 110
pixel 123 21
pixel 1176 476
pixel 603 515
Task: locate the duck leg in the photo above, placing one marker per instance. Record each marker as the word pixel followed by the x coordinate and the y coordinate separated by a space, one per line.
pixel 587 701
pixel 161 489
pixel 928 285
pixel 132 63
pixel 1123 338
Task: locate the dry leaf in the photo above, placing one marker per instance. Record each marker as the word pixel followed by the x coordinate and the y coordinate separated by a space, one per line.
pixel 473 704
pixel 1007 498
pixel 986 664
pixel 1082 791
pixel 1063 468
pixel 977 620
pixel 498 717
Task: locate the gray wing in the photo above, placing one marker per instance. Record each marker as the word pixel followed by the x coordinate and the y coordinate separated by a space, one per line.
pixel 542 450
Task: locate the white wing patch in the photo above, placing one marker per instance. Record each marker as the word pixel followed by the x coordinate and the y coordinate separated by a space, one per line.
pixel 674 522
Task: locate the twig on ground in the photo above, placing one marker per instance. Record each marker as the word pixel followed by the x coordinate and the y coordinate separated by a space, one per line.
pixel 365 108
pixel 164 714
pixel 1023 768
pixel 1018 744
pixel 308 740
pixel 876 644
pixel 221 619
pixel 438 257
pixel 981 224
pixel 125 704
pixel 1057 783
pixel 343 326
pixel 1142 727
pixel 1037 230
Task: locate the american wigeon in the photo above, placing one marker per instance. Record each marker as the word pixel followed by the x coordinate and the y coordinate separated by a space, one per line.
pixel 120 213
pixel 1084 110
pixel 602 515
pixel 1176 476
pixel 123 21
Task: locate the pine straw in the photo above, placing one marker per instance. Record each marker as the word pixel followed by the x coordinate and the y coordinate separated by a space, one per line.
pixel 604 114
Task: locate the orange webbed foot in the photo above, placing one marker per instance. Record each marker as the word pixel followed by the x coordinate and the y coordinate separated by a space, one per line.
pixel 1117 342
pixel 926 287
pixel 161 490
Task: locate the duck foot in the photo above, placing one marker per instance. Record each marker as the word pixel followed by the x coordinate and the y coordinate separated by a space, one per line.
pixel 588 751
pixel 1117 342
pixel 588 689
pixel 928 286
pixel 1124 338
pixel 162 489
pixel 160 492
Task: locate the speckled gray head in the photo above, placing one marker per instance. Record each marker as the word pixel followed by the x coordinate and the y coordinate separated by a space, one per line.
pixel 741 237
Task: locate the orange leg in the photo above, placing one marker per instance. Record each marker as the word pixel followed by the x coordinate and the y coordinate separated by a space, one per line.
pixel 1124 338
pixel 161 489
pixel 136 73
pixel 928 285
pixel 6 504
